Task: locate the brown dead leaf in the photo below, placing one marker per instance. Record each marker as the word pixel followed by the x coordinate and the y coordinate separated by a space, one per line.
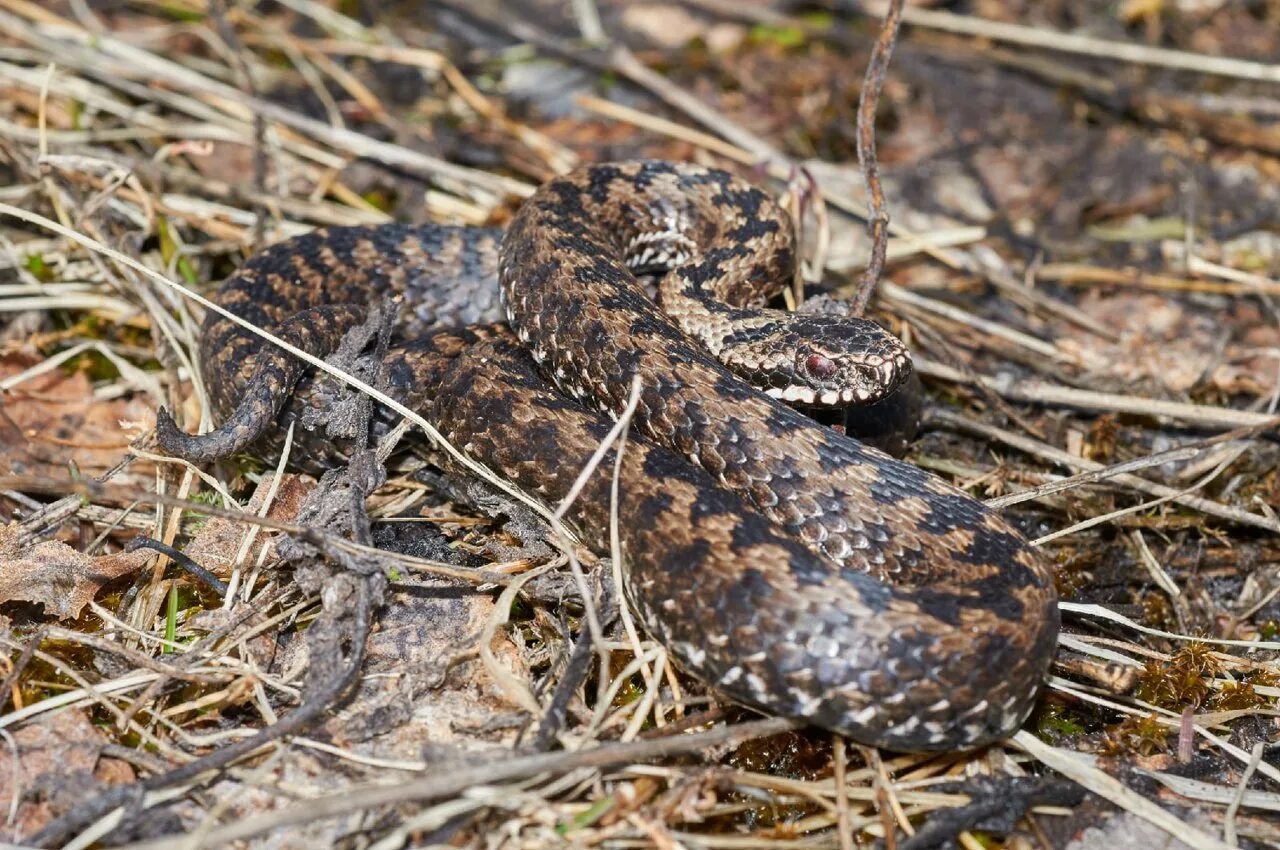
pixel 53 419
pixel 425 689
pixel 57 764
pixel 665 24
pixel 56 576
pixel 1160 343
pixel 223 162
pixel 218 542
pixel 1168 347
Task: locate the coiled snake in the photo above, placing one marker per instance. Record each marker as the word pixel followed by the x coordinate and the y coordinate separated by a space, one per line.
pixel 791 568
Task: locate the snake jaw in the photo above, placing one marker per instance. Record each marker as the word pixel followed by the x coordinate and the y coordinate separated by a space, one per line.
pixel 817 361
pixel 824 378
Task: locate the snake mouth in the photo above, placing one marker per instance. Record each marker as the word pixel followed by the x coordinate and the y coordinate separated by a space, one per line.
pixel 826 398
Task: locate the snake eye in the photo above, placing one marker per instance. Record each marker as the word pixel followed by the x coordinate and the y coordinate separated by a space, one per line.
pixel 819 366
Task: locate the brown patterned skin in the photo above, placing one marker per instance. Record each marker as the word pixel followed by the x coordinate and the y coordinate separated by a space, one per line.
pixel 789 567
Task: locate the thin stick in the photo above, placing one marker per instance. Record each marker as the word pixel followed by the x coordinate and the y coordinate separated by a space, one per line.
pixel 114 56
pixel 1083 45
pixel 60 829
pixel 1058 456
pixel 1142 506
pixel 1037 37
pixel 868 98
pixel 1050 395
pixel 1229 820
pixel 448 783
pixel 1069 764
pixel 1181 453
pixel 839 759
pixel 621 61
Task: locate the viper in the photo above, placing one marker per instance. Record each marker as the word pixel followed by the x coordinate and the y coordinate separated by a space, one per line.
pixel 788 566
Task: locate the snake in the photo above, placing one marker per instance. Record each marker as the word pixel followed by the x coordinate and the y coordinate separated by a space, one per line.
pixel 791 568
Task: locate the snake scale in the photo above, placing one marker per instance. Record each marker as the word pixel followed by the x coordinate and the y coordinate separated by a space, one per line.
pixel 791 568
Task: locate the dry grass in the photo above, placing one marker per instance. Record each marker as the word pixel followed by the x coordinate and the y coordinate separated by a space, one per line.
pixel 118 213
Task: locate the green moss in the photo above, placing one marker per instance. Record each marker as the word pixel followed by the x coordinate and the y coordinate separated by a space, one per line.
pixel 94 365
pixel 193 521
pixel 39 268
pixel 1237 696
pixel 1181 682
pixel 1056 721
pixel 170 252
pixel 783 37
pixel 178 12
pixel 588 816
pixel 1143 736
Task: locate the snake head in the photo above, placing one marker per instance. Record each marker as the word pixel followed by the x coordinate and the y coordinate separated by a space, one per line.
pixel 819 361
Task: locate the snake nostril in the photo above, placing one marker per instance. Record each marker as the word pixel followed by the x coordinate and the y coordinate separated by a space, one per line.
pixel 819 366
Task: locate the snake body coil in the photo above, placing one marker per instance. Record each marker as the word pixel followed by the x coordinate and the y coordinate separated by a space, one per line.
pixel 789 567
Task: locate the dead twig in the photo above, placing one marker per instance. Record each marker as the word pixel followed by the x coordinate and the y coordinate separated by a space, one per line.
pixel 1058 456
pixel 359 617
pixel 448 783
pixel 868 98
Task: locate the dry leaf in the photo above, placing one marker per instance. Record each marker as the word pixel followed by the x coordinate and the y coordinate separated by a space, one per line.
pixel 56 764
pixel 53 418
pixel 56 576
pixel 665 24
pixel 218 542
pixel 1160 343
